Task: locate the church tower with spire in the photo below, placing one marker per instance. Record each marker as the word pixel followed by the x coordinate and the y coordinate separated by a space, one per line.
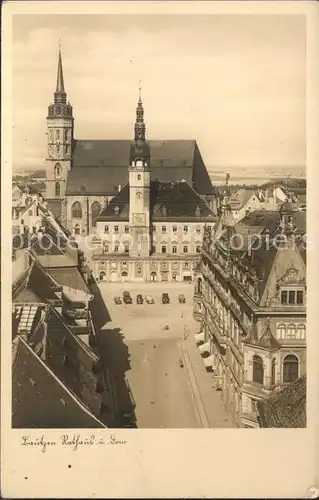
pixel 139 186
pixel 60 127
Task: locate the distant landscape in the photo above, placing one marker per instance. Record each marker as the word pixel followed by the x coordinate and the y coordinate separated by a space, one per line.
pixel 248 176
pixel 255 175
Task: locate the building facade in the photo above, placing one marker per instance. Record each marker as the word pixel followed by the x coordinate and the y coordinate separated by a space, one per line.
pixel 250 300
pixel 84 175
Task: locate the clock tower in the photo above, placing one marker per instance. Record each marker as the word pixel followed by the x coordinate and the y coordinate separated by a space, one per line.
pixel 139 186
pixel 60 126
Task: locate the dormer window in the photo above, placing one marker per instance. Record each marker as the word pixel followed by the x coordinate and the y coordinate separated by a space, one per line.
pixel 292 297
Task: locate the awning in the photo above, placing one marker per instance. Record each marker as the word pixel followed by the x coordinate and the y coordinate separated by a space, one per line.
pixel 208 362
pixel 199 337
pixel 204 348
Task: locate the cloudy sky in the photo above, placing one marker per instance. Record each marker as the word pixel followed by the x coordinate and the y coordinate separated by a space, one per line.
pixel 236 84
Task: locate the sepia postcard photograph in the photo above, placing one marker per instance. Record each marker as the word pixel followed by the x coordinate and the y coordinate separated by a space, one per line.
pixel 158 195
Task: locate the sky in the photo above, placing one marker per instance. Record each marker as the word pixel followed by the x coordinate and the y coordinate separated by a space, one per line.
pixel 234 83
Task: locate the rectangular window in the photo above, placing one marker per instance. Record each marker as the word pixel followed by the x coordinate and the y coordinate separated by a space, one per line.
pixel 153 248
pixel 163 229
pixel 174 229
pixel 174 249
pixel 291 296
pixel 185 248
pixel 154 229
pixel 106 229
pixel 163 249
pixel 186 264
pixel 299 297
pixel 139 177
pixel 284 297
pixel 126 229
pixel 126 248
pixel 198 249
pixel 185 229
pixel 116 249
pixel 106 248
pixel 30 212
pixel 116 229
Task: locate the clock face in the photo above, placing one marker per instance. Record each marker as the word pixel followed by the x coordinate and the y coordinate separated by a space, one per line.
pixel 139 219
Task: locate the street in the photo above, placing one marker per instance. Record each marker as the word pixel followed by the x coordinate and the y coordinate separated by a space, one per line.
pixel 160 387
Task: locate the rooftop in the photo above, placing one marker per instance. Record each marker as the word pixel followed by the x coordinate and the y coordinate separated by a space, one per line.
pixel 40 399
pixel 171 160
pixel 169 201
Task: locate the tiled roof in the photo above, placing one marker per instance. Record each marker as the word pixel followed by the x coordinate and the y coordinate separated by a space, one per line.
pixel 169 201
pixel 267 339
pixel 261 218
pixel 116 153
pixel 40 399
pixel 69 276
pixel 239 199
pixel 41 283
pixel 287 408
pixel 171 160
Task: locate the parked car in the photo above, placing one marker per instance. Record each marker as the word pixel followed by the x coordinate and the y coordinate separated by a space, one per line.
pixel 139 299
pixel 181 298
pixel 165 298
pixel 117 300
pixel 149 299
pixel 127 297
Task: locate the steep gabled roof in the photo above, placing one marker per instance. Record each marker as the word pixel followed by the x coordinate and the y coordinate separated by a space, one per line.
pixel 99 167
pixel 116 153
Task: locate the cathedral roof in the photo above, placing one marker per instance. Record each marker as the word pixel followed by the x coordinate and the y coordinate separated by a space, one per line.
pixel 100 166
pixel 169 201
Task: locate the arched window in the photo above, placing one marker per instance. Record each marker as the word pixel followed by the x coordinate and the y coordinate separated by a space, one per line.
pixel 76 210
pixel 57 170
pixel 58 135
pixel 281 331
pixel 57 189
pixel 258 370
pixel 95 210
pixel 291 368
pixel 301 331
pixel 138 194
pixel 273 372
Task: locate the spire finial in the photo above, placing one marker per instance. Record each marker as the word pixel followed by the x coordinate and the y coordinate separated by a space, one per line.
pixel 140 91
pixel 60 81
